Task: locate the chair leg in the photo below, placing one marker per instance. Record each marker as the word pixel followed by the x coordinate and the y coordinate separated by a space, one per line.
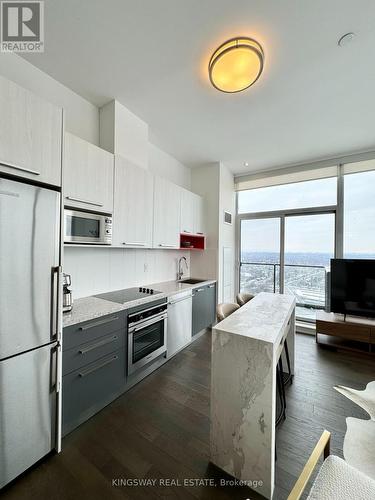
pixel 290 376
pixel 281 371
pixel 280 389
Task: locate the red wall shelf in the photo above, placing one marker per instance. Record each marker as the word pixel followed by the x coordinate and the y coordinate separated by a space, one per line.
pixel 197 241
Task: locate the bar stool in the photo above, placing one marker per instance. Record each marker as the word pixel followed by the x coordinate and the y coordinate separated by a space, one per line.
pixel 281 391
pixel 289 377
pixel 243 298
pixel 224 310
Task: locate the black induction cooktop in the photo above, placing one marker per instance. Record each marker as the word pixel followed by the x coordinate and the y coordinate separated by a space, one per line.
pixel 128 294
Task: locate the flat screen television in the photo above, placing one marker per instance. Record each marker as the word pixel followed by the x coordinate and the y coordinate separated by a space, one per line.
pixel 353 287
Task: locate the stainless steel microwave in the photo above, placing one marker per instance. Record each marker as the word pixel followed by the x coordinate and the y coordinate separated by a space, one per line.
pixel 87 228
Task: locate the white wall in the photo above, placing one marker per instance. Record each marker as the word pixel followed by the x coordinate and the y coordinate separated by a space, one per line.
pixel 216 183
pixel 81 117
pixel 123 133
pixel 165 165
pixel 227 236
pixel 99 270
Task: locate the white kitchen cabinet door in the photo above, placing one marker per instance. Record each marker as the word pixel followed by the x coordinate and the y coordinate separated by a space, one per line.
pixel 167 198
pixel 30 135
pixel 88 176
pixel 187 211
pixel 179 322
pixel 133 205
pixel 198 214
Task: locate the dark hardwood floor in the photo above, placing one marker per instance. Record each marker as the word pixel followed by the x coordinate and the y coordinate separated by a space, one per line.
pixel 160 430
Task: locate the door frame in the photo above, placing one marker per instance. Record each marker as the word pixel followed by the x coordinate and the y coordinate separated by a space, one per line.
pixel 282 215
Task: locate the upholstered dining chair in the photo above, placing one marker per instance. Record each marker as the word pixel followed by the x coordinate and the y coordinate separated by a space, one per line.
pixel 243 298
pixel 226 309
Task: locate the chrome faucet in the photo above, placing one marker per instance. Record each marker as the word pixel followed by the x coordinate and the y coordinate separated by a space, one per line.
pixel 180 271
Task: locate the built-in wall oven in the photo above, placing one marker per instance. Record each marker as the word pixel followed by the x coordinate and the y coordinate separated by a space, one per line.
pixel 87 227
pixel 147 336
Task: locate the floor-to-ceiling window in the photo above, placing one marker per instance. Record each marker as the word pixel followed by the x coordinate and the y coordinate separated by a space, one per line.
pixel 287 239
pixel 290 229
pixel 309 248
pixel 359 215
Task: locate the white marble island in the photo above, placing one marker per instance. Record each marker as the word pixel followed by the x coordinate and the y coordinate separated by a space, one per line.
pixel 245 350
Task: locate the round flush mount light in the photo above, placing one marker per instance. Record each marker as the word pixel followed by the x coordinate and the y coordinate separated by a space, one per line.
pixel 236 64
pixel 245 163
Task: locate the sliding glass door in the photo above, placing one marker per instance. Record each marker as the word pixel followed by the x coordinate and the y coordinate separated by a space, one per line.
pixel 308 250
pixel 288 252
pixel 260 255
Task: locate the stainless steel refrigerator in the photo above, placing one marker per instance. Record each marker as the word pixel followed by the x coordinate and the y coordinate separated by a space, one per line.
pixel 29 324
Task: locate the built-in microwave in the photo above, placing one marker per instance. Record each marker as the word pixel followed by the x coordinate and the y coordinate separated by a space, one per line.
pixel 87 228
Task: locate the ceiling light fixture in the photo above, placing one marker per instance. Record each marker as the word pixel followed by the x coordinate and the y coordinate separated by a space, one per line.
pixel 245 163
pixel 236 64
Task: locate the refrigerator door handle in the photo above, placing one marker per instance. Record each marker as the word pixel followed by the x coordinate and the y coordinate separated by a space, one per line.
pixel 53 369
pixel 55 301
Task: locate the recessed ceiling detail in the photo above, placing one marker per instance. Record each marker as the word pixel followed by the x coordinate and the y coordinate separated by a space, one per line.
pixel 236 64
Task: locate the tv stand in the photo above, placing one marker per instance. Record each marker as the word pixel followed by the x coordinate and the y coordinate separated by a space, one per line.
pixel 345 332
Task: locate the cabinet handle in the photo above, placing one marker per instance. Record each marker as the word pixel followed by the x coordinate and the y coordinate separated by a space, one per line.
pixel 135 244
pixel 187 297
pixel 184 231
pixel 98 344
pixel 166 246
pixel 9 193
pixel 199 289
pixel 211 286
pixel 199 232
pixel 22 169
pixel 80 200
pixel 98 323
pixel 97 367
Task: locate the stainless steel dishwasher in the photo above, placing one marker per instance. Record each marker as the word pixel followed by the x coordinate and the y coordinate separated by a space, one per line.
pixel 179 322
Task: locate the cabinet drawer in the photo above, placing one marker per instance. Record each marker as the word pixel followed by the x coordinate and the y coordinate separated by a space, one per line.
pixel 89 389
pixel 81 355
pixel 345 330
pixel 90 330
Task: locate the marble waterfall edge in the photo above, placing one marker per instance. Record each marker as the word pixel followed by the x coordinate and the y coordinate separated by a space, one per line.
pixel 240 444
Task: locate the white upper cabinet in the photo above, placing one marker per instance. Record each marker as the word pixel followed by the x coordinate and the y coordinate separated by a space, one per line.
pixel 191 213
pixel 30 135
pixel 187 211
pixel 133 210
pixel 167 198
pixel 198 214
pixel 88 176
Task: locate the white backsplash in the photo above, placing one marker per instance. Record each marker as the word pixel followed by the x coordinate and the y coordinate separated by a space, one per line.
pixel 98 270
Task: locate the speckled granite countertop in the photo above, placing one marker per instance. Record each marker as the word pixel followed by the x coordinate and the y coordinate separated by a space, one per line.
pixel 92 307
pixel 169 288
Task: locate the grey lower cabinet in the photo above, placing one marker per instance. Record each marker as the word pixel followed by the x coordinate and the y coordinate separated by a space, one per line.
pixel 93 366
pixel 204 307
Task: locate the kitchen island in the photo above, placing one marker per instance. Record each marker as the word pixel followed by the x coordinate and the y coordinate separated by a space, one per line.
pixel 246 348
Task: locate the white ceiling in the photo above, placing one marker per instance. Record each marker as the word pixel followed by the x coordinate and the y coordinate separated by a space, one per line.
pixel 314 99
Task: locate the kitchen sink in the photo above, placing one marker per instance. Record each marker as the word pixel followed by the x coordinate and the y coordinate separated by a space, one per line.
pixel 191 281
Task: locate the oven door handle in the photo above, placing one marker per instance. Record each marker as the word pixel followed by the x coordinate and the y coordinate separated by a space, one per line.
pixel 145 324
